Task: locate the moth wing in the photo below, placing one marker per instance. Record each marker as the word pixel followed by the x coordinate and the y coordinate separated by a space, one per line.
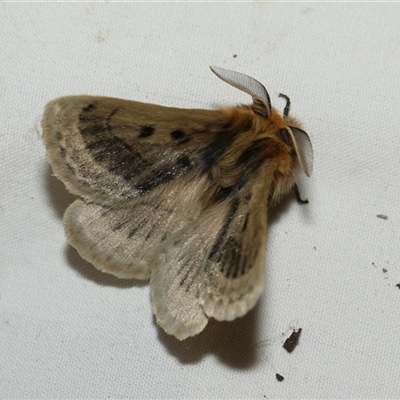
pixel 103 235
pixel 124 238
pixel 105 148
pixel 215 268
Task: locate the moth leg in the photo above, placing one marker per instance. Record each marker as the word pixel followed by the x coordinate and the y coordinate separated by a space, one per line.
pixel 298 196
pixel 287 107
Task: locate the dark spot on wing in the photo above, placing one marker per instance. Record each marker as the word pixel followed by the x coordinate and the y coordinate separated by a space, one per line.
pixel 177 134
pixel 146 131
pixel 89 107
pixel 86 114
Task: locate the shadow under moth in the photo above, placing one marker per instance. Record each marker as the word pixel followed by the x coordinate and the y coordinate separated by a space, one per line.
pixel 177 196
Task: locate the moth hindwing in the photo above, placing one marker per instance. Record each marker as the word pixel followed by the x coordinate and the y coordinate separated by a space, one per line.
pixel 177 196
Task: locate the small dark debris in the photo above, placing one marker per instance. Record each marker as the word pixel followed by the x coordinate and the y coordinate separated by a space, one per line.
pixel 398 285
pixel 292 341
pixel 384 270
pixel 382 216
pixel 235 55
pixel 280 378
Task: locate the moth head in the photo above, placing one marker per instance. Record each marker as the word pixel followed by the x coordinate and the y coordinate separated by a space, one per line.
pixel 291 135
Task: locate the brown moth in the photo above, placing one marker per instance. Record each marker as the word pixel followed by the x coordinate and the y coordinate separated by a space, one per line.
pixel 177 196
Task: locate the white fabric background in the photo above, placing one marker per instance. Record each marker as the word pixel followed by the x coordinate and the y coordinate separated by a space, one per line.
pixel 69 331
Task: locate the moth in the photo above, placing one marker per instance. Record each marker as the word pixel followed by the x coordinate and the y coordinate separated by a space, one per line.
pixel 177 196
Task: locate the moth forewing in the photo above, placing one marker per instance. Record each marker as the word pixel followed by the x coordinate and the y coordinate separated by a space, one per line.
pixel 107 149
pixel 176 195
